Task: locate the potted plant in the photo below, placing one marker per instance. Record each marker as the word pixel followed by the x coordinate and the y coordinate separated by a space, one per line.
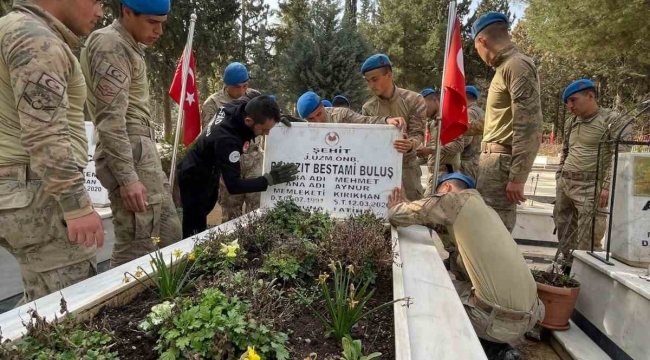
pixel 559 293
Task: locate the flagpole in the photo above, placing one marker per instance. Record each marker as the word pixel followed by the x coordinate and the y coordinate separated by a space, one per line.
pixel 451 18
pixel 179 122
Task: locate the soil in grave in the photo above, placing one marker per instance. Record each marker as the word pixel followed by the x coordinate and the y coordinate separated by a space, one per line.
pixel 375 332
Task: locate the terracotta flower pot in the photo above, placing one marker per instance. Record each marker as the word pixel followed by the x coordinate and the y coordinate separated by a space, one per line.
pixel 559 303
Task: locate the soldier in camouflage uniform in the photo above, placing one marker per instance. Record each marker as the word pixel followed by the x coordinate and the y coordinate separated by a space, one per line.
pixel 513 118
pixel 491 275
pixel 235 77
pixel 449 153
pixel 575 208
pixel 312 108
pixel 47 221
pixel 469 158
pixel 128 164
pixel 389 100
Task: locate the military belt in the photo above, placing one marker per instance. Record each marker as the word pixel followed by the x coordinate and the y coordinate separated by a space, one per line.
pixel 579 176
pixel 142 130
pixel 20 172
pixel 495 148
pixel 500 312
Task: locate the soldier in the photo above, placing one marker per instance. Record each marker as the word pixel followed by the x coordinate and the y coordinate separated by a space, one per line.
pixel 449 153
pixel 513 118
pixel 235 77
pixel 470 156
pixel 327 103
pixel 389 100
pixel 575 209
pixel 128 164
pixel 491 275
pixel 47 221
pixel 217 152
pixel 313 109
pixel 341 101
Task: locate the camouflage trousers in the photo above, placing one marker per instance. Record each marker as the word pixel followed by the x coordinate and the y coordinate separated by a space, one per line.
pixel 493 177
pixel 232 206
pixel 32 229
pixel 411 174
pixel 469 167
pixel 134 230
pixel 498 325
pixel 574 214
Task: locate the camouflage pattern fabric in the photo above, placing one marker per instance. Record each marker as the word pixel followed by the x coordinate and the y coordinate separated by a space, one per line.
pixel 494 169
pixel 341 115
pixel 449 155
pixel 469 158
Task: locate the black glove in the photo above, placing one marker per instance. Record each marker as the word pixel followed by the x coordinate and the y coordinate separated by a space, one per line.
pixel 281 173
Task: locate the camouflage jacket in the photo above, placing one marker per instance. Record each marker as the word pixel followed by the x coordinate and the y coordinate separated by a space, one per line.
pixel 116 73
pixel 408 105
pixel 346 116
pixel 513 114
pixel 474 134
pixel 42 94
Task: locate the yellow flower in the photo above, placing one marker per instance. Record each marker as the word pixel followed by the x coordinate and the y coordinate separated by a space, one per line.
pixel 353 303
pixel 252 355
pixel 126 279
pixel 151 262
pixel 178 253
pixel 139 273
pixel 155 240
pixel 332 266
pixel 231 249
pixel 323 278
pixel 352 291
pixel 191 256
pixel 350 268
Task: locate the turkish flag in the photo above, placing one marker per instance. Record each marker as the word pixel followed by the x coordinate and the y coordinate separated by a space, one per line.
pixel 454 106
pixel 192 117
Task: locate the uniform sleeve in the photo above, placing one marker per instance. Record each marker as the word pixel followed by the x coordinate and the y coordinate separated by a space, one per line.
pixel 351 117
pixel 110 76
pixel 452 148
pixel 417 122
pixel 438 209
pixel 476 122
pixel 227 154
pixel 208 110
pixel 39 69
pixel 523 84
pixel 565 143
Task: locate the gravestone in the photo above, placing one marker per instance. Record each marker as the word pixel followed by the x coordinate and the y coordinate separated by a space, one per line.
pixel 98 194
pixel 345 169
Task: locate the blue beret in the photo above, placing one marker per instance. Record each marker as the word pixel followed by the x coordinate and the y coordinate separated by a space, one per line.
pixel 272 97
pixel 307 103
pixel 327 103
pixel 458 176
pixel 487 19
pixel 577 86
pixel 426 92
pixel 375 62
pixel 342 98
pixel 472 90
pixel 148 7
pixel 234 74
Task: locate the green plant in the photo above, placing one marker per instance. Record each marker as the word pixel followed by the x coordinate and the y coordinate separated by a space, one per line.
pixel 347 305
pixel 58 340
pixel 352 350
pixel 158 315
pixel 281 265
pixel 217 327
pixel 292 260
pixel 171 280
pixel 290 219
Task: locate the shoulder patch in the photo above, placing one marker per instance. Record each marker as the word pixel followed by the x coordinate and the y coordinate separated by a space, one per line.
pixel 40 100
pixel 106 90
pixel 234 156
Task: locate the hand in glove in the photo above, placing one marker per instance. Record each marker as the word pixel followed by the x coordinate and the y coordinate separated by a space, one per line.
pixel 281 173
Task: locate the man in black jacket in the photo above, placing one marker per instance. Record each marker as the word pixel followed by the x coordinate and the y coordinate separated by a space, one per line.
pixel 216 153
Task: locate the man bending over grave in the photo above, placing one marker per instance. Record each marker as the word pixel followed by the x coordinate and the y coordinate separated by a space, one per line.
pixel 491 275
pixel 217 151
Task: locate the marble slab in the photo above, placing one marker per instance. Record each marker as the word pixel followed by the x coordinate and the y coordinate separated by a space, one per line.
pixel 578 344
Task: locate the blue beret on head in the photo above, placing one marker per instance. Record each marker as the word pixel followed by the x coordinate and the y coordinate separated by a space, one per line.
pixel 486 20
pixel 307 103
pixel 472 90
pixel 458 176
pixel 342 98
pixel 426 92
pixel 234 74
pixel 375 62
pixel 148 7
pixel 577 86
pixel 327 103
pixel 272 97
